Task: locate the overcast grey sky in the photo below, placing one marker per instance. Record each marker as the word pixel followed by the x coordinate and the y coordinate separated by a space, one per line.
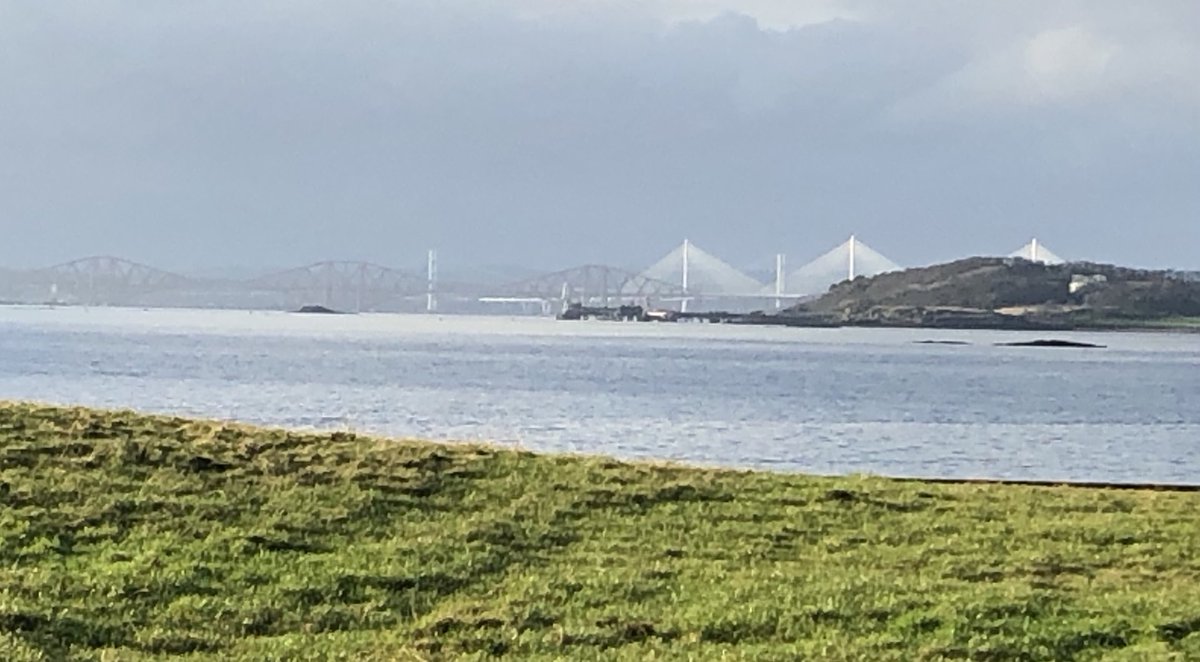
pixel 553 132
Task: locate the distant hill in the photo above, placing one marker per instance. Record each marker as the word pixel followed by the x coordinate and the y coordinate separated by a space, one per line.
pixel 1060 294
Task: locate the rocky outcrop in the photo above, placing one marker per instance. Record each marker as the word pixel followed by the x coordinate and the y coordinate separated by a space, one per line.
pixel 1075 344
pixel 318 310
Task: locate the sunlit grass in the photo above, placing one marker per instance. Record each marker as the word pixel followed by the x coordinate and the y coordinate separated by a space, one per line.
pixel 128 537
pixel 1152 323
pixel 1179 322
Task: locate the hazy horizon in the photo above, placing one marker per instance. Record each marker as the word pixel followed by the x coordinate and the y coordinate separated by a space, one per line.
pixel 227 136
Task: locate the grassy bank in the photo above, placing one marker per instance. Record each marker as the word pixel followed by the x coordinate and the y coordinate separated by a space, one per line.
pixel 127 537
pixel 1183 324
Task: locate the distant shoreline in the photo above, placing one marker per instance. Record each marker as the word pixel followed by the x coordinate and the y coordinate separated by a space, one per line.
pixel 1014 323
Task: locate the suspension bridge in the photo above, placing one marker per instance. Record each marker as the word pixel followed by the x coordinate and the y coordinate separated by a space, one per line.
pixel 686 276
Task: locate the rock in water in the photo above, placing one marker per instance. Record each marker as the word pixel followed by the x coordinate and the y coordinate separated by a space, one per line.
pixel 1050 343
pixel 319 310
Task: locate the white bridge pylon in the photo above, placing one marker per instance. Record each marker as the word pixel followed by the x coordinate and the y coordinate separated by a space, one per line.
pixel 847 261
pixel 1034 251
pixel 699 272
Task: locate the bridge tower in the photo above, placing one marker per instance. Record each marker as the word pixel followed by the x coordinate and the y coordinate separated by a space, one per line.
pixel 852 249
pixel 780 279
pixel 1036 251
pixel 847 261
pixel 701 275
pixel 687 249
pixel 431 282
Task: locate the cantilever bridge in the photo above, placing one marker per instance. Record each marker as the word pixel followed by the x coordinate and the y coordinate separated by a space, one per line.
pixel 354 286
pixel 591 284
pixel 96 280
pixel 686 276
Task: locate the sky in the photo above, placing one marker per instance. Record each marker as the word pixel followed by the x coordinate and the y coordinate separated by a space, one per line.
pixel 552 133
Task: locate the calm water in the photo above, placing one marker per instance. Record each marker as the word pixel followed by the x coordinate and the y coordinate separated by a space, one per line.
pixel 817 400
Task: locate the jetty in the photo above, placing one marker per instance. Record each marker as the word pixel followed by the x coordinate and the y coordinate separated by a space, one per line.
pixel 635 313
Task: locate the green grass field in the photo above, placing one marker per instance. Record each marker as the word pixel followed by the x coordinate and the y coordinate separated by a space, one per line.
pixel 126 537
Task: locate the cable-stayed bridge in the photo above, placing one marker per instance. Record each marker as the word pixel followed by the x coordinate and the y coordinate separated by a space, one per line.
pixel 701 275
pixel 1037 252
pixel 686 276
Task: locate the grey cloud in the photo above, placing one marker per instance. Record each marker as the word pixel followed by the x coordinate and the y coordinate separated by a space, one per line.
pixel 227 133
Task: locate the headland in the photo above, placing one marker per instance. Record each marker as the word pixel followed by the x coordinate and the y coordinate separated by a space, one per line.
pixel 1014 293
